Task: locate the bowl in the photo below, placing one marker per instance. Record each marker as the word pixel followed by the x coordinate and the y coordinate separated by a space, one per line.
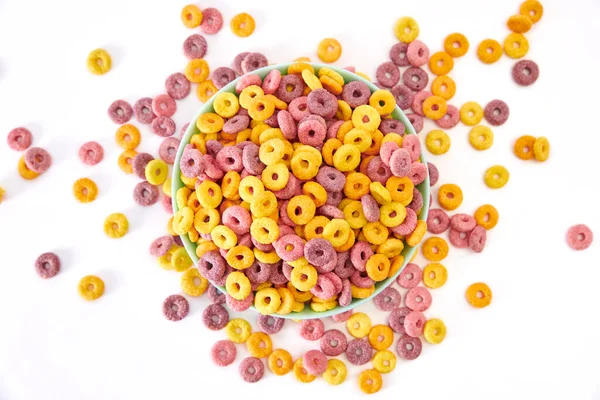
pixel 408 251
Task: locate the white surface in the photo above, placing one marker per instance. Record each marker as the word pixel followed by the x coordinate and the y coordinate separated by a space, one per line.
pixel 538 339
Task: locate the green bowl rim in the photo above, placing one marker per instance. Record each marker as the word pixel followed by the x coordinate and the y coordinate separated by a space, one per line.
pixel 397 114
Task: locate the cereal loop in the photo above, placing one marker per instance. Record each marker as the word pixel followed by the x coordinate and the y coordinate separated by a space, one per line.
pixel 191 16
pixel 456 44
pixel 489 51
pixel 479 295
pixel 406 29
pixel 85 190
pixel 370 381
pixel 90 287
pixel 496 176
pixel 242 25
pixel 99 62
pixel 329 50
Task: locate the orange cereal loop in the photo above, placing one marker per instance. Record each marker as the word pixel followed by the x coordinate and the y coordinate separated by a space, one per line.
pixel 450 196
pixel 519 23
pixel 197 70
pixel 206 90
pixel 406 29
pixel 329 50
pixel 443 86
pixel 479 295
pixel 435 249
pixel 486 216
pixel 298 67
pixel 90 287
pixel 128 137
pixel 125 161
pixel 516 45
pixel 302 59
pixel 524 147
pixel 489 51
pixel 85 190
pixel 301 373
pixel 191 16
pixel 24 171
pixel 456 44
pixel 331 85
pixel 242 25
pixel 435 107
pixel 441 63
pixel 370 381
pixel 533 9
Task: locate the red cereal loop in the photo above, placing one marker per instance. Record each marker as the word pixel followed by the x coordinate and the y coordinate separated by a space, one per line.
pixel 579 237
pixel 212 21
pixel 19 139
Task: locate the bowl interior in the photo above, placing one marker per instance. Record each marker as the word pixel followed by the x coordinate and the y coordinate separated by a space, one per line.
pixel 408 251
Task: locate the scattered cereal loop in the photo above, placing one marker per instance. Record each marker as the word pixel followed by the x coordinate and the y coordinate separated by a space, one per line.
pixel 128 137
pixel 175 307
pixel 519 23
pixel 47 265
pixel 489 51
pixel 24 171
pixel 85 190
pixel 434 331
pixel 329 50
pixel 212 21
pixel 516 45
pixel 486 216
pixel 456 44
pixel 99 62
pixel 116 225
pixel 541 149
pixel 479 295
pixel 242 25
pixel 523 147
pixel 525 72
pixel 496 176
pixel 120 111
pixel 125 161
pixel 579 237
pixel 191 16
pixel 406 29
pixel 481 137
pixel 532 9
pixel 90 287
pixel 370 381
pixel 19 139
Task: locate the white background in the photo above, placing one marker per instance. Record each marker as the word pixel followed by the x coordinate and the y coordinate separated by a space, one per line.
pixel 538 339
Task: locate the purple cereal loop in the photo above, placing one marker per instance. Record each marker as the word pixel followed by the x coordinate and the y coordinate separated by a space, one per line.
pixel 398 54
pixel 416 121
pixel 418 299
pixel 311 329
pixel 408 347
pixel 359 352
pixel 286 124
pixel 525 72
pixel 311 133
pixel 477 239
pixel 262 247
pixel 161 246
pixel 418 99
pixel 314 362
pixel 298 108
pixel 237 63
pixel 356 93
pixel 414 322
pixel 333 343
pixel 269 324
pixel 331 212
pixel 360 254
pixel 237 219
pixel 370 208
pixel 239 305
pixel 579 237
pixel 258 273
pixel 175 307
pixel 271 82
pixel 459 239
pixel 331 179
pixel 223 353
pixel 434 174
pixel 212 265
pixel 400 163
pixel 168 149
pixel 403 95
pixel 410 276
pixel 344 270
pixel 120 112
pixel 334 198
pixel 230 159
pixel 91 153
pixel 191 163
pixel 323 103
pixel 361 279
pixel 247 80
pixel 212 21
pixel 289 247
pixel 386 150
pixel 396 319
pixel 450 119
pixel 215 317
pixel 178 241
pixel 387 74
pixel 272 120
pixel 294 83
pixel 318 252
pixel 236 124
pixel 408 225
pixel 388 300
pixel 177 86
pixel 342 317
pixel 194 46
pixel 213 147
pixel 252 369
pixel 19 139
pixel 417 53
pixel 142 109
pixel 277 277
pixel 345 297
pixel 163 105
pixel 215 295
pixel 222 76
pixel 415 79
pixel 496 112
pixel 47 265
pixel 437 221
pixel 324 288
pixel 38 160
pixel 333 129
pixel 145 194
pixel 377 171
pixel 251 161
pixel 412 144
pixel 417 201
pixel 418 173
pixel 163 126
pixel 254 61
pixel 462 222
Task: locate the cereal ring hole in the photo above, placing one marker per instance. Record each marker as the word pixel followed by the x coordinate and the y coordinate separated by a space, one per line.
pixel 409 346
pixel 279 362
pixel 90 287
pixel 386 363
pixel 409 276
pixel 319 230
pixel 356 93
pixel 581 237
pixel 197 281
pixel 480 294
pixel 450 195
pixel 432 275
pixel 419 299
pixel 440 62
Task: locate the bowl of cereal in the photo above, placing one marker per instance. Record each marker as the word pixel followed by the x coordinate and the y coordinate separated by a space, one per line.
pixel 300 190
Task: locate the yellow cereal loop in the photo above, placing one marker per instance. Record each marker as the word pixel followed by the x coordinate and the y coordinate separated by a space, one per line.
pixel 496 176
pixel 331 85
pixel 167 187
pixel 209 194
pixel 305 165
pixel 354 214
pixel 261 108
pixel 541 149
pixel 532 9
pixel 450 196
pixel 287 301
pixel 434 331
pixel 301 209
pixel 366 117
pixel 238 285
pixel 116 225
pixel 313 230
pixel 361 293
pixel 489 51
pixel 349 243
pixel 400 189
pixel 417 235
pixel 90 287
pixel 206 90
pixel 392 137
pixel 481 137
pixel 301 373
pixel 238 330
pixel 435 275
pixel 170 227
pixel 329 50
pixel 250 186
pixel 437 142
pixel 456 44
pixel 331 74
pixel 336 372
pixel 406 29
pixel 279 104
pixel 264 230
pixel 183 220
pixel 157 172
pixel 380 193
pixel 381 337
pixel 193 283
pixel 226 104
pixel 360 138
pixel 304 277
pixel 25 172
pixel 204 248
pixel 391 248
pixel 223 237
pixel 377 137
pixel 266 257
pixel 370 381
pixel 375 232
pixel 180 260
pixel 249 94
pixel 271 133
pixel 443 86
pixel 99 62
pixel 280 362
pixel 206 219
pixel 359 325
pixel 378 267
pixel 322 307
pixel 382 101
pixel 363 75
pixel 275 176
pixel 197 70
pixel 125 161
pixel 166 261
pixel 267 301
pixel 242 25
pixel 230 185
pixel 392 214
pixel 271 151
pixel 344 128
pixel 516 45
pixel 344 111
pixel 191 16
pixel 264 204
pixel 240 257
pixel 316 192
pixel 357 185
pixel 311 80
pixel 84 190
pixel 384 361
pixel 337 232
pixel 128 137
pixel 210 123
